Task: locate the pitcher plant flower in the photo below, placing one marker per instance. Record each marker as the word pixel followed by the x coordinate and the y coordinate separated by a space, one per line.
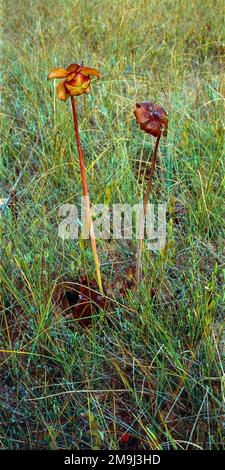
pixel 153 120
pixel 76 81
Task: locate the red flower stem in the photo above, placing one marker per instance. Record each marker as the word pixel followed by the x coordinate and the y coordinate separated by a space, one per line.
pixel 145 202
pixel 86 194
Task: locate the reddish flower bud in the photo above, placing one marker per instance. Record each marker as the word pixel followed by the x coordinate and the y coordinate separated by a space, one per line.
pixel 152 118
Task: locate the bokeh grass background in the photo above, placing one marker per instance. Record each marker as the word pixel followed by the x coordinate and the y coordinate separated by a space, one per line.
pixel 149 373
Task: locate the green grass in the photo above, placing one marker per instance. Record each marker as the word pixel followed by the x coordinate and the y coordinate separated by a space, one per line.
pixel 151 366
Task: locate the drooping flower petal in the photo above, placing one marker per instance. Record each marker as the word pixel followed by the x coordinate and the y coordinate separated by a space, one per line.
pixel 61 91
pixel 141 114
pixel 58 73
pixel 89 71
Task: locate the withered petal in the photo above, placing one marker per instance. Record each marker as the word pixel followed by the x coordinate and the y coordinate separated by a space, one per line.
pixel 148 106
pixel 141 115
pixel 89 71
pixel 61 91
pixel 58 73
pixel 161 114
pixel 152 127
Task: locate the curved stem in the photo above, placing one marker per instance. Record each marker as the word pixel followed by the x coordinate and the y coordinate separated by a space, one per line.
pixel 86 194
pixel 145 202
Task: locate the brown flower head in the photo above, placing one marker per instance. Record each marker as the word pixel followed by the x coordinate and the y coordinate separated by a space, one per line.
pixel 152 118
pixel 76 81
